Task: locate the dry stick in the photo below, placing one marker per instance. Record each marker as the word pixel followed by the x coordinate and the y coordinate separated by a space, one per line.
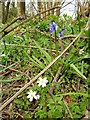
pixel 57 74
pixel 34 7
pixel 68 36
pixel 15 71
pixel 26 21
pixel 11 68
pixel 48 35
pixel 68 109
pixel 13 21
pixel 73 36
pixel 42 72
pixel 27 47
pixel 67 4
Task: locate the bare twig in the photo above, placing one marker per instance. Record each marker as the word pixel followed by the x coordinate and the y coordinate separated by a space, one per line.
pixel 30 46
pixel 13 21
pixel 68 109
pixel 67 4
pixel 18 114
pixel 6 73
pixel 34 7
pixel 25 21
pixel 42 72
pixel 11 68
pixel 67 36
pixel 48 35
pixel 57 74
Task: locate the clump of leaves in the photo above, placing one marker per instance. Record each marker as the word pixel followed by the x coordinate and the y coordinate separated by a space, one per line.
pixel 33 51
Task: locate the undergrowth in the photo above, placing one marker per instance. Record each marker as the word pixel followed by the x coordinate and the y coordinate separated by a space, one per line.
pixel 25 55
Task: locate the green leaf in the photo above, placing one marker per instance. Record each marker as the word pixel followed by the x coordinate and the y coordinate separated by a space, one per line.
pixel 38 61
pixel 77 71
pixel 10 80
pixel 34 63
pixel 44 52
pixel 8 67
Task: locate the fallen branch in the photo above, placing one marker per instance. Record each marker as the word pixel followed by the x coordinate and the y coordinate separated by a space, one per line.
pixel 6 32
pixel 13 21
pixel 42 72
pixel 67 36
pixel 30 46
pixel 68 109
pixel 10 68
pixel 74 36
pixel 57 74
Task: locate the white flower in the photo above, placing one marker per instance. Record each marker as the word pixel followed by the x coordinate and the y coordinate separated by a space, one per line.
pixel 42 82
pixel 32 95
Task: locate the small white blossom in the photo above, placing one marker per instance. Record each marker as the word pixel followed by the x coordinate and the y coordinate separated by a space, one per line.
pixel 42 82
pixel 32 95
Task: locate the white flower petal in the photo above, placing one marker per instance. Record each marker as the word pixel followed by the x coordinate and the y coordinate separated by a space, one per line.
pixel 34 92
pixel 42 82
pixel 31 99
pixel 31 91
pixel 28 92
pixel 40 78
pixel 37 97
pixel 31 95
pixel 28 96
pixel 43 85
pixel 56 27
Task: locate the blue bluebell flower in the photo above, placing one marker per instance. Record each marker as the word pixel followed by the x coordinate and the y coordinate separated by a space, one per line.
pixel 62 34
pixel 22 19
pixel 59 33
pixel 53 27
pixel 63 29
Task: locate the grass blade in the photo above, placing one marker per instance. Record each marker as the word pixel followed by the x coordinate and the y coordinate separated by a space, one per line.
pixel 77 71
pixel 44 52
pixel 10 80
